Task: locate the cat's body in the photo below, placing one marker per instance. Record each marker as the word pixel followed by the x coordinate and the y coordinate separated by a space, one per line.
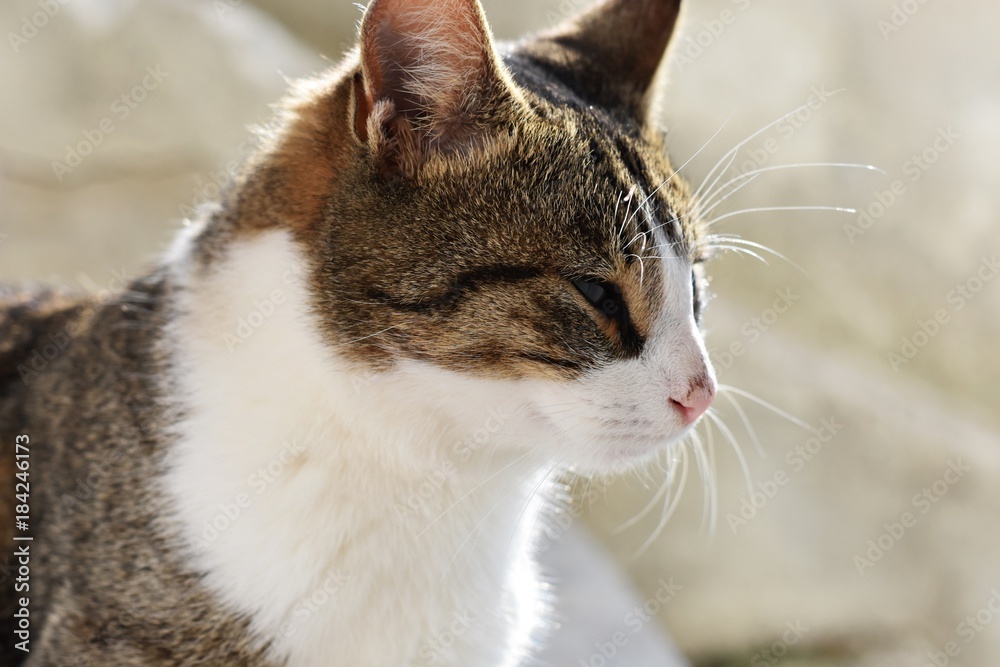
pixel 317 433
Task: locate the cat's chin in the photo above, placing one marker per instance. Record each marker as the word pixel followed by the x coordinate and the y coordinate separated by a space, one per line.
pixel 615 456
pixel 632 454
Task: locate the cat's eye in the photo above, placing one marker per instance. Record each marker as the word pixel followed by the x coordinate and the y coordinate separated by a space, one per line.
pixel 602 295
pixel 607 299
pixel 700 295
pixel 695 297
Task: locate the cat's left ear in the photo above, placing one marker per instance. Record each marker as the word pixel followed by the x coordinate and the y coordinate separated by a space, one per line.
pixel 430 81
pixel 611 52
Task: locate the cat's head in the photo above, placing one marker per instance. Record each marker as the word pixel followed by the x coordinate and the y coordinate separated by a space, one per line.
pixel 503 223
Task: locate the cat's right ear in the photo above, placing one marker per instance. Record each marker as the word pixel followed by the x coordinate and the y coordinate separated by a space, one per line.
pixel 430 81
pixel 611 53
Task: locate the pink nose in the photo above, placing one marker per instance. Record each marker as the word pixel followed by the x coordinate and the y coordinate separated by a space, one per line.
pixel 697 401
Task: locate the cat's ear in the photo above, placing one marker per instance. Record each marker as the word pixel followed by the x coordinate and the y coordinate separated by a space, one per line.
pixel 611 53
pixel 430 80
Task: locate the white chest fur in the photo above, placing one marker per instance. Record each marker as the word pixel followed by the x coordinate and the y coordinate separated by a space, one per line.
pixel 353 524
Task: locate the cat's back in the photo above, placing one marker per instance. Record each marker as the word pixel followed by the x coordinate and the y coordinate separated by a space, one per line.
pixel 31 318
pixel 35 326
pixel 34 319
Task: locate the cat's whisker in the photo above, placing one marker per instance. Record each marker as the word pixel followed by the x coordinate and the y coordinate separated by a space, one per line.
pixel 615 216
pixel 667 258
pixel 661 226
pixel 710 447
pixel 734 239
pixel 674 500
pixel 654 501
pixel 644 472
pixel 699 206
pixel 687 162
pixel 474 489
pixel 754 173
pixel 735 149
pixel 697 196
pixel 635 238
pixel 734 443
pixel 741 251
pixel 475 529
pixel 764 404
pixel 669 246
pixel 642 267
pixel 703 147
pixel 369 336
pixel 642 208
pixel 746 423
pixel 703 472
pixel 586 489
pixel 734 244
pixel 628 208
pixel 547 478
pixel 772 209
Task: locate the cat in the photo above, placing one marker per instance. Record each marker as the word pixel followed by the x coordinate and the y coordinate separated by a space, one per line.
pixel 321 429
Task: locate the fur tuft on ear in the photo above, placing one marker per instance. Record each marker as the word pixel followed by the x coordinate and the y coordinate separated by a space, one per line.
pixel 430 81
pixel 612 52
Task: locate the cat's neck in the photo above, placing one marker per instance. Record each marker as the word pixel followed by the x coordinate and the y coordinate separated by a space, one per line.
pixel 300 476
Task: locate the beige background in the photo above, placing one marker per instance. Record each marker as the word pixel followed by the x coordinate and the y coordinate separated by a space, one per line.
pixel 826 357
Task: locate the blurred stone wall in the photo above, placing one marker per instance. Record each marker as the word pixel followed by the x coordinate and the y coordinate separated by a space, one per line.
pixel 867 540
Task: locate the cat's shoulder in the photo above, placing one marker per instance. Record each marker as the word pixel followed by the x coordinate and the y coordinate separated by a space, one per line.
pixel 30 315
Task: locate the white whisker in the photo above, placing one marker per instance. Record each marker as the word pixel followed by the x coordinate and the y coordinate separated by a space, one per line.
pixel 732 239
pixel 761 402
pixel 615 216
pixel 728 435
pixel 710 446
pixel 674 500
pixel 771 209
pixel 648 508
pixel 628 209
pixel 686 163
pixel 704 212
pixel 746 423
pixel 735 149
pixel 369 336
pixel 753 174
pixel 707 478
pixel 474 489
pixel 739 250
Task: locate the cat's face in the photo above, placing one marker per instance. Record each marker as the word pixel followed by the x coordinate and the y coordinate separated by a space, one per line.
pixel 509 228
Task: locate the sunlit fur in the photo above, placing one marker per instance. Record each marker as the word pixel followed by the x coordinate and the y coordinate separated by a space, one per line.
pixel 383 315
pixel 431 290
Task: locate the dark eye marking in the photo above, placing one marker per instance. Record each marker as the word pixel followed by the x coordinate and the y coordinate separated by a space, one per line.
pixel 607 299
pixel 453 293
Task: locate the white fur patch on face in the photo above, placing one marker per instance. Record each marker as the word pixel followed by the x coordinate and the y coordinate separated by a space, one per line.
pixel 622 414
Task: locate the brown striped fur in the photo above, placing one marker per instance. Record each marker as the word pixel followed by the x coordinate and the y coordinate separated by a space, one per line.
pixel 447 218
